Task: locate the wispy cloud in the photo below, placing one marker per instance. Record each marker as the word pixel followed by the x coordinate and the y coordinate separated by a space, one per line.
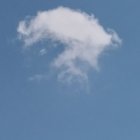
pixel 37 77
pixel 42 52
pixel 83 37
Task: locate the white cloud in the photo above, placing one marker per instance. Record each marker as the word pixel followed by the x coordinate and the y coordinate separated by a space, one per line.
pixel 83 37
pixel 42 52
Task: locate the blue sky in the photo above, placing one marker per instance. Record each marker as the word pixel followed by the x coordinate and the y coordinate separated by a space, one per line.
pixel 51 110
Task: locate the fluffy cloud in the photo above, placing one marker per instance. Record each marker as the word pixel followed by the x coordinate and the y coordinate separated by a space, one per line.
pixel 83 37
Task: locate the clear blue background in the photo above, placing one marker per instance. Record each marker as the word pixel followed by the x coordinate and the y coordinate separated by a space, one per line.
pixel 48 110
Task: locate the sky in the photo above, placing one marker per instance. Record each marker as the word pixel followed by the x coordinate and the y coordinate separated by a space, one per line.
pixel 69 70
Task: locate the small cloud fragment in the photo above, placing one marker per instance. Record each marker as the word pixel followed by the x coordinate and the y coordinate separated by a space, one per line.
pixel 42 52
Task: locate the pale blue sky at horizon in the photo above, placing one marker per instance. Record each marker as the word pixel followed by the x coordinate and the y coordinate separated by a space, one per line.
pixel 35 105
